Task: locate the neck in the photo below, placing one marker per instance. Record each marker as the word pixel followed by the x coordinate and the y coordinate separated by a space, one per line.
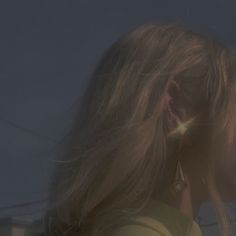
pixel 195 192
pixel 190 201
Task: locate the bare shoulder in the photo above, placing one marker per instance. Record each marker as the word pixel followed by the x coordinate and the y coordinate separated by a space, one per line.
pixel 136 230
pixel 143 226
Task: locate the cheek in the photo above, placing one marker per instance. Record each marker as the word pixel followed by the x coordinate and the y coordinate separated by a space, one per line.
pixel 229 162
pixel 227 175
pixel 227 165
pixel 230 167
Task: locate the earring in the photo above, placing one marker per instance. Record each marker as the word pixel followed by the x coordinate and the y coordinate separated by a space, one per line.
pixel 179 182
pixel 170 193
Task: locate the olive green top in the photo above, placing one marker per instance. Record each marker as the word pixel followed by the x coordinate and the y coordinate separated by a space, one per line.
pixel 159 219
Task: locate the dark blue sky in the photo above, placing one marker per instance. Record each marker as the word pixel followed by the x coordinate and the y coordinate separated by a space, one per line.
pixel 47 51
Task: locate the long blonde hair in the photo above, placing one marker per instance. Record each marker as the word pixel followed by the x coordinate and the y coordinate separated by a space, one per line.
pixel 119 154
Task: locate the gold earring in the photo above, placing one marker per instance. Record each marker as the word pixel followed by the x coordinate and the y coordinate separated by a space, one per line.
pixel 182 127
pixel 179 182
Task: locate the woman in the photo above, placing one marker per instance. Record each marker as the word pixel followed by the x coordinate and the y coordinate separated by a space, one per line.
pixel 152 140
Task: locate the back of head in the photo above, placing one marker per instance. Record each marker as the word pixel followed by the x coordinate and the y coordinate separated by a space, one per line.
pixel 123 148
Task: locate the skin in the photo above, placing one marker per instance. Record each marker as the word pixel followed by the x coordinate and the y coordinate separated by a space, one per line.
pixel 194 164
pixel 195 193
pixel 227 177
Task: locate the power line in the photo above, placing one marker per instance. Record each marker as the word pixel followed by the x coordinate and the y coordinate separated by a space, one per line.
pixel 27 130
pixel 215 223
pixel 45 200
pixel 42 136
pixel 22 204
pixel 208 225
